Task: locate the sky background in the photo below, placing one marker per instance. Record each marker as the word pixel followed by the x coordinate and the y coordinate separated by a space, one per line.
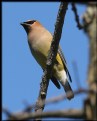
pixel 21 75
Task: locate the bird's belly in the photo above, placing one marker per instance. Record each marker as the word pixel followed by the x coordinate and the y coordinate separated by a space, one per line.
pixel 40 52
pixel 40 58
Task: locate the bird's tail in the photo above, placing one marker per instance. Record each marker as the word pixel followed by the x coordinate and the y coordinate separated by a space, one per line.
pixel 68 90
pixel 64 81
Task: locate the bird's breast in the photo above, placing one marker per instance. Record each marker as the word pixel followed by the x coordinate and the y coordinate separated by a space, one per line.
pixel 39 49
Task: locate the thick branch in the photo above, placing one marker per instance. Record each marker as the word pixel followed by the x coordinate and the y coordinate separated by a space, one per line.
pixel 91 4
pixel 76 114
pixel 91 30
pixel 28 114
pixel 51 57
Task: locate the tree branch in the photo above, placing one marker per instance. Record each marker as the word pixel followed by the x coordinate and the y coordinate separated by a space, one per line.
pixel 90 104
pixel 51 57
pixel 66 114
pixel 74 9
pixel 91 4
pixel 59 98
pixel 76 114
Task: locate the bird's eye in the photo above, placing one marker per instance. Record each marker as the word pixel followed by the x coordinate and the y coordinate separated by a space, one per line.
pixel 30 22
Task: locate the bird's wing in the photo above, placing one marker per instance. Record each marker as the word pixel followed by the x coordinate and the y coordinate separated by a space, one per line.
pixel 64 62
pixel 55 81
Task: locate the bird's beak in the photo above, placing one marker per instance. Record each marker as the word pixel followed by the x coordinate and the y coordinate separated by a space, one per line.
pixel 26 26
pixel 23 23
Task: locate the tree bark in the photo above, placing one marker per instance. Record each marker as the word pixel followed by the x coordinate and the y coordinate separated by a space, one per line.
pixel 90 19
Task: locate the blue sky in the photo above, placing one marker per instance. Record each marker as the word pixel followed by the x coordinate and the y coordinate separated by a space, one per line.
pixel 21 75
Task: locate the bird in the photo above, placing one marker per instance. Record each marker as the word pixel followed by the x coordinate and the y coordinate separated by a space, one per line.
pixel 39 41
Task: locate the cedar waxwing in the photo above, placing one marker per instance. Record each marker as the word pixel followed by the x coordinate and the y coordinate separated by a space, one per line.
pixel 39 40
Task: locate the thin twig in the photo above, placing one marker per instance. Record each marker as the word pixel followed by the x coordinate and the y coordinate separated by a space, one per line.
pixel 9 114
pixel 59 98
pixel 76 16
pixel 77 79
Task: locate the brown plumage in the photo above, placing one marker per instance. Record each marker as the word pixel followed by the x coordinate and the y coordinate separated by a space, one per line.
pixel 39 40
